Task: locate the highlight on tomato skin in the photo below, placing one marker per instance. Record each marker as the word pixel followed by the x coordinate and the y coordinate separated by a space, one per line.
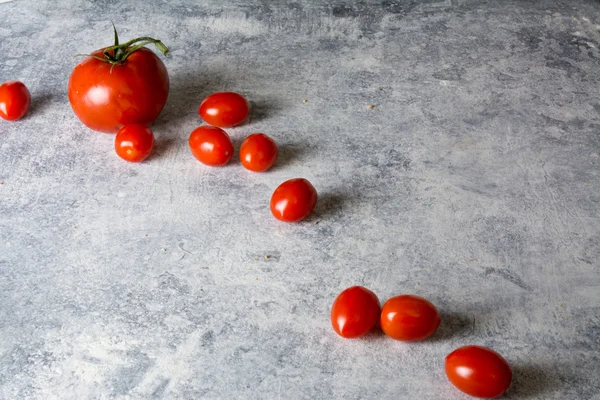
pixel 119 85
pixel 293 200
pixel 224 109
pixel 15 100
pixel 409 318
pixel 478 371
pixel 134 142
pixel 258 152
pixel 211 145
pixel 355 312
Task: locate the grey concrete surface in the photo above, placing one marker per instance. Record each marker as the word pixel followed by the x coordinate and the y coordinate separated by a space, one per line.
pixel 473 181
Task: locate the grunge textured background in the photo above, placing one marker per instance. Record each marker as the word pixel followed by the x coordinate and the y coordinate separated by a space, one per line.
pixel 472 181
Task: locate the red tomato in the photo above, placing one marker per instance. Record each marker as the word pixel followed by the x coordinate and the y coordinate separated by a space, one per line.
pixel 409 318
pixel 258 152
pixel 14 100
pixel 478 371
pixel 134 142
pixel 355 312
pixel 224 109
pixel 293 200
pixel 106 96
pixel 211 145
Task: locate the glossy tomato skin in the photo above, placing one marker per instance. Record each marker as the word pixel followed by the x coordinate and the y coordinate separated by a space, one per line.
pixel 14 100
pixel 224 109
pixel 258 152
pixel 134 142
pixel 409 318
pixel 478 371
pixel 293 200
pixel 211 145
pixel 133 93
pixel 355 312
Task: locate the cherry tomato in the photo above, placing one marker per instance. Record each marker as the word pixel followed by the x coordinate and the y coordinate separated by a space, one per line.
pixel 134 142
pixel 211 145
pixel 14 100
pixel 107 96
pixel 224 109
pixel 293 200
pixel 478 371
pixel 355 312
pixel 409 318
pixel 258 152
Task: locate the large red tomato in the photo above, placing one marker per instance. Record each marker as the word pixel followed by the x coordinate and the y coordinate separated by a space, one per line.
pixel 120 85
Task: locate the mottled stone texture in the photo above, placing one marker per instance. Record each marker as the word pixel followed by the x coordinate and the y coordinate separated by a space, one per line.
pixel 473 181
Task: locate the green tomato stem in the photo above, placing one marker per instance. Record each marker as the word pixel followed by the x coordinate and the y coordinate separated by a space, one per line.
pixel 118 53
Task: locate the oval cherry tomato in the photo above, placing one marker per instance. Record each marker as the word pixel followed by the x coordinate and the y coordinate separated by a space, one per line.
pixel 478 371
pixel 355 312
pixel 134 142
pixel 409 318
pixel 14 100
pixel 106 97
pixel 224 109
pixel 258 152
pixel 293 200
pixel 211 145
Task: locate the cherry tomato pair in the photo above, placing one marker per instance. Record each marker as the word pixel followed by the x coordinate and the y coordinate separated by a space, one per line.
pixel 408 318
pixel 15 100
pixel 212 146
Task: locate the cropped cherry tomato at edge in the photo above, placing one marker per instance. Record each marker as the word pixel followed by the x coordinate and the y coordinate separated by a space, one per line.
pixel 293 200
pixel 258 152
pixel 211 145
pixel 355 312
pixel 14 100
pixel 134 142
pixel 224 109
pixel 409 318
pixel 107 92
pixel 478 371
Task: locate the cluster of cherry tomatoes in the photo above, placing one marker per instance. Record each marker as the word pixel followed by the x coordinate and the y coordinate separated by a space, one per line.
pixel 123 88
pixel 116 90
pixel 292 201
pixel 475 370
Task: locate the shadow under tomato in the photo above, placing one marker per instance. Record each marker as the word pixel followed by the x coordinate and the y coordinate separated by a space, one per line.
pixel 237 143
pixel 328 206
pixel 262 109
pixel 288 153
pixel 39 102
pixel 531 382
pixel 186 92
pixel 161 147
pixel 453 325
pixel 375 334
